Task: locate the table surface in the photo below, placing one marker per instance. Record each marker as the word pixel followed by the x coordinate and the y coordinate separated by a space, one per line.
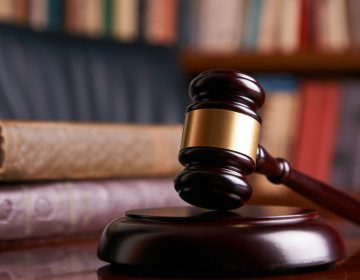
pixel 76 259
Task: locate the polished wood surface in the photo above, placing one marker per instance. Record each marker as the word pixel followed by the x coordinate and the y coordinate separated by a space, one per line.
pixel 76 259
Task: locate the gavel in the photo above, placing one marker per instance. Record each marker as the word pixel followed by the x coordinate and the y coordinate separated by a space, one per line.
pixel 220 147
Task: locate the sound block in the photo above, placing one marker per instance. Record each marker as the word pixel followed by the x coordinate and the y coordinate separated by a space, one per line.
pixel 194 241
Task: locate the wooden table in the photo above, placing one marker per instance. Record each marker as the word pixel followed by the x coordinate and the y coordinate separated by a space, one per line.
pixel 76 259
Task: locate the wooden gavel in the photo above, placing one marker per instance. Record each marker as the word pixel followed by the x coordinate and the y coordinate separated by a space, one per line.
pixel 220 147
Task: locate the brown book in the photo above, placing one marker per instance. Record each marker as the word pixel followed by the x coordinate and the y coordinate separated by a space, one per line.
pixel 64 150
pixel 21 12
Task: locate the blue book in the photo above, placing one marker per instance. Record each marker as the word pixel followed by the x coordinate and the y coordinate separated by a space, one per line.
pixel 276 82
pixel 56 15
pixel 251 26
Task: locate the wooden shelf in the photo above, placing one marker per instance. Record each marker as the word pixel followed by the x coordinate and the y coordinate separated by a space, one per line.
pixel 304 63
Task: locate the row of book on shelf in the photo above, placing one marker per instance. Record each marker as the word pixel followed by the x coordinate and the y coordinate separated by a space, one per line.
pixel 61 179
pixel 314 124
pixel 210 25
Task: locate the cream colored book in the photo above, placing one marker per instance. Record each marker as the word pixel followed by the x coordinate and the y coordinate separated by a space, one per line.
pixel 64 150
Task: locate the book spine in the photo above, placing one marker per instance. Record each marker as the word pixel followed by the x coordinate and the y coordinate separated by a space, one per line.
pixel 125 20
pixel 108 17
pixel 38 14
pixel 56 15
pixel 50 150
pixel 310 122
pixel 59 209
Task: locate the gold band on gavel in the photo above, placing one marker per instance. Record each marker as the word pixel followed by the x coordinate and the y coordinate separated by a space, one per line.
pixel 221 129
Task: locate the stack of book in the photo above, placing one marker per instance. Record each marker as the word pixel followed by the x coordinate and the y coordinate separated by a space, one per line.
pixel 68 179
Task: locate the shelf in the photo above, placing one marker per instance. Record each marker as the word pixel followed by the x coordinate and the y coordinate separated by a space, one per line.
pixel 312 63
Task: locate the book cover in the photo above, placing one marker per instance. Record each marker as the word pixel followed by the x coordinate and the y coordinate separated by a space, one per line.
pixel 58 150
pixel 305 32
pixel 7 10
pixel 160 21
pixel 72 208
pixel 289 26
pixel 279 115
pixel 187 22
pixel 108 17
pixel 329 129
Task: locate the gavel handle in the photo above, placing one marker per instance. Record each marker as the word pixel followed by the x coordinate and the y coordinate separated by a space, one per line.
pixel 279 171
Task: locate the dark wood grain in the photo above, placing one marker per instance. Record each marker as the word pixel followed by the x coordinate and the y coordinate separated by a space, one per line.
pixel 188 241
pixel 279 171
pixel 215 178
pixel 76 259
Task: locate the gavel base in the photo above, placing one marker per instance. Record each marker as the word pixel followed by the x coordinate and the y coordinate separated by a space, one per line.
pixel 193 241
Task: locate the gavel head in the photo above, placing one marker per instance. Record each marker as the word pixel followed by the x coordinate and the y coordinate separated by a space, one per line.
pixel 220 139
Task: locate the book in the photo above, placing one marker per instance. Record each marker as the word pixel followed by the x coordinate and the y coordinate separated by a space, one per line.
pixel 108 17
pixel 331 25
pixel 7 10
pixel 289 26
pixel 38 14
pixel 347 153
pixel 317 128
pixel 60 150
pixel 223 34
pixel 339 38
pixel 73 208
pixel 21 12
pixel 56 15
pixel 161 21
pixel 279 118
pixel 279 113
pixel 268 26
pixel 125 19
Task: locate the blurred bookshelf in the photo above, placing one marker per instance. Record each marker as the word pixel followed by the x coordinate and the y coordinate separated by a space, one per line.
pixel 296 48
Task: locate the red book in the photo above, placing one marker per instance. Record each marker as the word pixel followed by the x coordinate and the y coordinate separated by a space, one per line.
pixel 317 129
pixel 329 125
pixel 305 25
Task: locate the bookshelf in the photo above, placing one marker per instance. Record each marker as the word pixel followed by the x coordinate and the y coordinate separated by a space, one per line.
pixel 302 38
